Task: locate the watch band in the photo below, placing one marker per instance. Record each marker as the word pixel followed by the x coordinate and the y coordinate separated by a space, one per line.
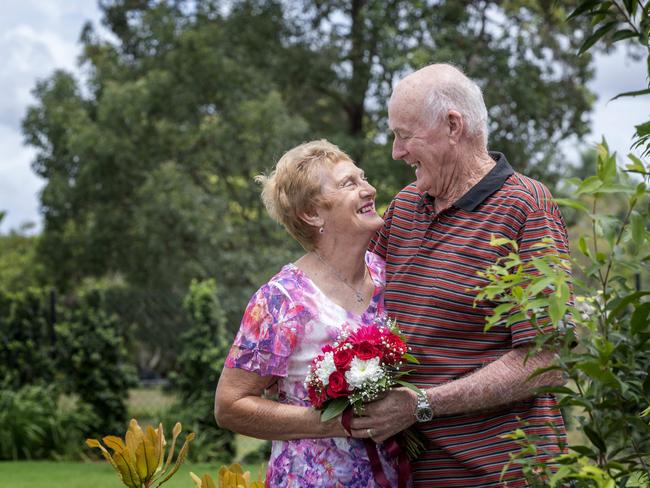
pixel 423 410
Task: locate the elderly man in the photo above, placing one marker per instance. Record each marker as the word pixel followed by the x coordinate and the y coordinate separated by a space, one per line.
pixel 436 237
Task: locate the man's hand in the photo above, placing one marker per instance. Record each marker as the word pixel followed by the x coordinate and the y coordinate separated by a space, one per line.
pixel 387 416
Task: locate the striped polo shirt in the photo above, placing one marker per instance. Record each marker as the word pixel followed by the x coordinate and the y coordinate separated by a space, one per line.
pixel 432 261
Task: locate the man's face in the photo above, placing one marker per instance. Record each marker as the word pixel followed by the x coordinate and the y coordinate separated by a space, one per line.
pixel 423 147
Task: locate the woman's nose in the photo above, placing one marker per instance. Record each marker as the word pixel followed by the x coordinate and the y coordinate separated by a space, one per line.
pixel 368 189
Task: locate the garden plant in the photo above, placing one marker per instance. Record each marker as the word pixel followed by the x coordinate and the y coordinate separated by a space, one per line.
pixel 139 458
pixel 604 337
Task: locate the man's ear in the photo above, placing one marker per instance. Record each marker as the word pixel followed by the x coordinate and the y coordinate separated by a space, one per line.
pixel 455 126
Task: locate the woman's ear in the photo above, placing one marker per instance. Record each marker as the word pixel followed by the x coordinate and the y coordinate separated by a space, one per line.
pixel 312 217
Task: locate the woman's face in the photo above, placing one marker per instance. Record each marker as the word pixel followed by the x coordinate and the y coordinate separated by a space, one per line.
pixel 352 200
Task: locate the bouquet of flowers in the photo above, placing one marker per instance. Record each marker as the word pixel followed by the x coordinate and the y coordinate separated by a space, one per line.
pixel 357 368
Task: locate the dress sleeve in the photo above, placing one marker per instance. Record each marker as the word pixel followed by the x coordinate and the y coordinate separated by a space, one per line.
pixel 540 224
pixel 268 333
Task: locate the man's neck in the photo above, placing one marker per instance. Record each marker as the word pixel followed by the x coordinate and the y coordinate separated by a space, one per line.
pixel 469 172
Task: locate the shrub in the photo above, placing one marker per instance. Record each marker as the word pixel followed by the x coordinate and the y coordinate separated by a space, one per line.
pixel 204 348
pixel 94 361
pixel 33 427
pixel 25 339
pixel 609 389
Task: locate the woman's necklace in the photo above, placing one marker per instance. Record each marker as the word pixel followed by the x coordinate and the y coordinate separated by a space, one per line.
pixel 357 293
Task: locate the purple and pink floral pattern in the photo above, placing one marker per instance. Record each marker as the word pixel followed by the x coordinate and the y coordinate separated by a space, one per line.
pixel 285 325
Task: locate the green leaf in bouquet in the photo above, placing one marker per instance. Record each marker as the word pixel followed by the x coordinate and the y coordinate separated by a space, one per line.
pixel 410 358
pixel 408 385
pixel 333 409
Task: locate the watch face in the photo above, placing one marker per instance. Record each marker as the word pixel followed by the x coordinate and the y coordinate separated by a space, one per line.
pixel 423 414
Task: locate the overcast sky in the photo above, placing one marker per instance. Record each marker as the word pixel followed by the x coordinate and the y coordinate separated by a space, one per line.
pixel 39 36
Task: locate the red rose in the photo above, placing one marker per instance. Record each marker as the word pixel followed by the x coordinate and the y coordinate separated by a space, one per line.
pixel 394 349
pixel 327 348
pixel 366 351
pixel 317 397
pixel 337 386
pixel 342 359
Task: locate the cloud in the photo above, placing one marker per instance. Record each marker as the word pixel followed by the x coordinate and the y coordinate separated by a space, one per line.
pixel 19 186
pixel 36 38
pixel 39 36
pixel 615 120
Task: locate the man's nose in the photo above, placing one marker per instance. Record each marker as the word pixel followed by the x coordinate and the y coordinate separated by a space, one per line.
pixel 399 151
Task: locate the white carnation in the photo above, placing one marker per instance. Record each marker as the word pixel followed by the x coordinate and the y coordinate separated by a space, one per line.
pixel 325 368
pixel 362 371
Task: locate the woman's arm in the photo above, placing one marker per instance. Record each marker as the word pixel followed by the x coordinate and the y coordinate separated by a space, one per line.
pixel 239 407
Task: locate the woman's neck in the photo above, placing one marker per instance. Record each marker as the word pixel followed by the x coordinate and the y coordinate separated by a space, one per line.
pixel 347 259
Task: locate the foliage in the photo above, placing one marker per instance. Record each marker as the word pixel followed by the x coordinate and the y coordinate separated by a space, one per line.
pixel 616 21
pixel 35 427
pixel 519 51
pixel 200 361
pixel 93 361
pixel 19 266
pixel 26 339
pixel 149 167
pixel 609 371
pixel 232 476
pixel 139 458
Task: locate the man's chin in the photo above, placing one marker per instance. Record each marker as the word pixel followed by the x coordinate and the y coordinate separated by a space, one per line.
pixel 422 186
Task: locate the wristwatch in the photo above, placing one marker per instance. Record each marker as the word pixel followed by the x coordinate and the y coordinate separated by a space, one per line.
pixel 423 411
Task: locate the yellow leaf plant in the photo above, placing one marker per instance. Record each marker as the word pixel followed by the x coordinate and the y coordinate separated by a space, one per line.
pixel 139 458
pixel 229 477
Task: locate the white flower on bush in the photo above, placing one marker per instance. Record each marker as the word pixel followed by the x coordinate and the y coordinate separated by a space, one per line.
pixel 325 368
pixel 362 371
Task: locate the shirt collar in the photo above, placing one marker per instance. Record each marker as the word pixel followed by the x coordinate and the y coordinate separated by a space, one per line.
pixel 490 183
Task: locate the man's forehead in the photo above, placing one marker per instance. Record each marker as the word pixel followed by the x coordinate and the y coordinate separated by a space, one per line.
pixel 403 115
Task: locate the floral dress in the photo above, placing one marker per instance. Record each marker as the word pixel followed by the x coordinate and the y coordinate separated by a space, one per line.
pixel 285 325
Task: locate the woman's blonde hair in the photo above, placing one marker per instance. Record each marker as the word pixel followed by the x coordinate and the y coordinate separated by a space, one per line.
pixel 294 187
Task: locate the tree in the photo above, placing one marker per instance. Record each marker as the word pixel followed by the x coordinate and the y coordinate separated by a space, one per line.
pixel 149 167
pixel 150 176
pixel 19 266
pixel 521 53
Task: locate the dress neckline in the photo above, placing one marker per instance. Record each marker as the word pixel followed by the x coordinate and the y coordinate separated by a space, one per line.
pixel 371 305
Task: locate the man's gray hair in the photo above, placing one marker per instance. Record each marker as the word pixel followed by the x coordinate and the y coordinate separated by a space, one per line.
pixel 463 95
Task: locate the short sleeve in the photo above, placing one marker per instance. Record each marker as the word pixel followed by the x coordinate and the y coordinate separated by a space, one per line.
pixel 268 333
pixel 540 224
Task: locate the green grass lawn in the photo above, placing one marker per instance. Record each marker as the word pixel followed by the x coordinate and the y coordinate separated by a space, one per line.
pixel 52 474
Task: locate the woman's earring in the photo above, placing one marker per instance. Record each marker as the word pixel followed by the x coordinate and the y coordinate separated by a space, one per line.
pixel 321 230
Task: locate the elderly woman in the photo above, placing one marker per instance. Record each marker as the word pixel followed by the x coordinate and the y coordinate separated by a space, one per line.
pixel 325 202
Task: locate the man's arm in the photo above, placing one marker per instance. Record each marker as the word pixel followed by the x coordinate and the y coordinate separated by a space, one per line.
pixel 499 383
